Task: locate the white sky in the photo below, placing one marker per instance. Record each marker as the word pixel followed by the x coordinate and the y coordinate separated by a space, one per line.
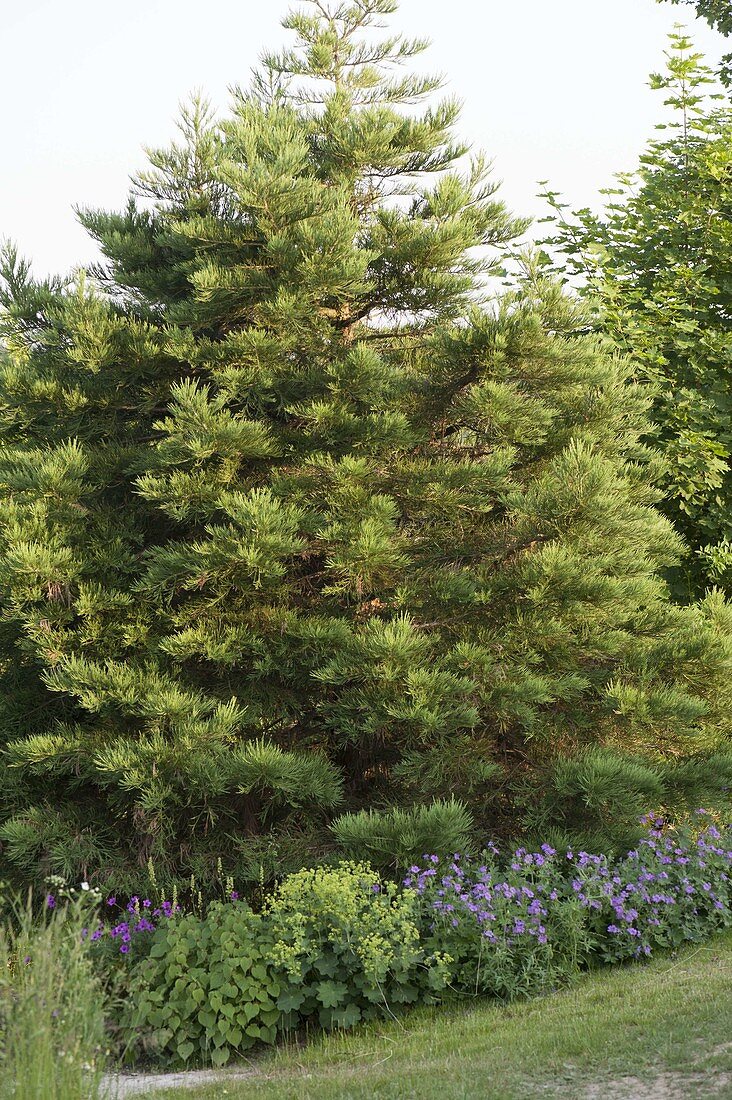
pixel 553 89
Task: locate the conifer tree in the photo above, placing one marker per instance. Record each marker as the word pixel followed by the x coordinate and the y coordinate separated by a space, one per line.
pixel 296 523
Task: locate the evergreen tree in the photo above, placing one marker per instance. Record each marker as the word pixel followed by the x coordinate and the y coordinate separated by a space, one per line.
pixel 658 261
pixel 295 522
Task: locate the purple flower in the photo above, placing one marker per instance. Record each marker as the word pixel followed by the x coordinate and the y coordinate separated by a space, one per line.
pixel 50 901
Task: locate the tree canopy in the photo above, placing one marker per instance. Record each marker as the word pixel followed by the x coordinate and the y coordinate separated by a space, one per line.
pixel 657 262
pixel 718 14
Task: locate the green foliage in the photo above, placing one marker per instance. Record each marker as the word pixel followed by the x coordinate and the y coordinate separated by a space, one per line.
pixel 335 946
pixel 658 262
pixel 718 14
pixel 296 521
pixel 393 838
pixel 52 1005
pixel 208 987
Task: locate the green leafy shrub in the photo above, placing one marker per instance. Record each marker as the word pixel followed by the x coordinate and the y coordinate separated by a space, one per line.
pixel 207 987
pixel 335 945
pixel 394 838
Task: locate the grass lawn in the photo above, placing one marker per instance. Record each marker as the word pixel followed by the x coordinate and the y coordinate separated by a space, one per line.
pixel 647 1032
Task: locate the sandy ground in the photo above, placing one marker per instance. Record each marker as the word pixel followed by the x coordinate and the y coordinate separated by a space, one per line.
pixel 666 1086
pixel 118 1086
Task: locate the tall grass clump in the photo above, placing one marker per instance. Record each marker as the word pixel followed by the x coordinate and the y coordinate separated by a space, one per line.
pixel 52 1039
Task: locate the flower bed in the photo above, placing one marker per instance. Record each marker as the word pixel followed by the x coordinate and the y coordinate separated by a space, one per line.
pixel 336 945
pixel 517 927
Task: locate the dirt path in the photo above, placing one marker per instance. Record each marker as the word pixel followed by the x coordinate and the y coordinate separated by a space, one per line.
pixel 666 1086
pixel 119 1086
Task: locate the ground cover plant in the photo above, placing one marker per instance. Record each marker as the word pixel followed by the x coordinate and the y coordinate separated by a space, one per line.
pixel 296 522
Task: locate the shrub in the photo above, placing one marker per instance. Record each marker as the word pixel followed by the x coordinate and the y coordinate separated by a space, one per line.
pixel 393 838
pixel 334 945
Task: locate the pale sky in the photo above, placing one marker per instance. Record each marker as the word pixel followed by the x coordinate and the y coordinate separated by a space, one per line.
pixel 553 89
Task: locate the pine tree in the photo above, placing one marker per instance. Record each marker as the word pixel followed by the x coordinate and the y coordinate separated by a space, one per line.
pixel 297 522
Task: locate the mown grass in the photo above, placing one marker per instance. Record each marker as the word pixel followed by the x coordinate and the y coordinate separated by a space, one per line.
pixel 672 1017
